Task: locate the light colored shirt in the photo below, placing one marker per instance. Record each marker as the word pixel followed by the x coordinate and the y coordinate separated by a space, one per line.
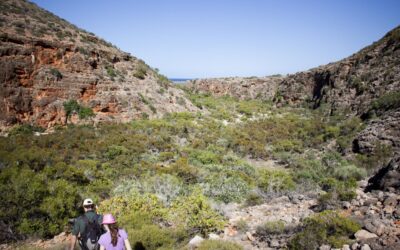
pixel 105 240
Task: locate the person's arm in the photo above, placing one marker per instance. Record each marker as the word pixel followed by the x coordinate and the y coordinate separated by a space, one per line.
pixel 102 247
pixel 75 233
pixel 73 242
pixel 127 244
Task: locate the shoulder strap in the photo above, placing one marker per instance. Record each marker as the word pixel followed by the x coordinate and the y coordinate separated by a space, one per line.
pixel 86 219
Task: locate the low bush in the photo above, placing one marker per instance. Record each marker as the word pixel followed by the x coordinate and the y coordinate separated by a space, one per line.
pixel 115 150
pixel 151 237
pixel 196 215
pixel 205 157
pixel 253 199
pixel 111 72
pixel 387 101
pixel 25 129
pixel 275 181
pixel 219 245
pixel 272 227
pixel 225 188
pixel 337 190
pixel 140 71
pixel 328 228
pixel 56 73
pixel 184 171
pixel 242 226
pixel 348 172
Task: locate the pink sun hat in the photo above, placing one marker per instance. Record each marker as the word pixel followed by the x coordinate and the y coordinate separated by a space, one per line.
pixel 108 219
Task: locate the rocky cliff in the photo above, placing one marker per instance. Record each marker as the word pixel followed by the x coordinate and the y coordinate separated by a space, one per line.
pixel 239 87
pixel 349 85
pixel 366 84
pixel 46 61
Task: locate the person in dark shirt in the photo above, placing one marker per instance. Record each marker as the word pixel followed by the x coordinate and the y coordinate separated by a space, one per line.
pixel 81 226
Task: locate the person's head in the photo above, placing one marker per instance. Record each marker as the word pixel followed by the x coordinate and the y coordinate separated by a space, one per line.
pixel 111 225
pixel 88 205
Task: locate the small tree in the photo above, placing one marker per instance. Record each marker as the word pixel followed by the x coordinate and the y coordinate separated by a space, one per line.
pixel 73 106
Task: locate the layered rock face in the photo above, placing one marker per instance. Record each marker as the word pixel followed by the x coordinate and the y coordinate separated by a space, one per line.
pixel 351 84
pixel 45 61
pixel 239 87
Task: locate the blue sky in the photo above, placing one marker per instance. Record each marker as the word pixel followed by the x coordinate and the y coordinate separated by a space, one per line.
pixel 214 38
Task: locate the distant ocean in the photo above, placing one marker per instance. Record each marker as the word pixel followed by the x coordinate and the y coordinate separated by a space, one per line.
pixel 180 80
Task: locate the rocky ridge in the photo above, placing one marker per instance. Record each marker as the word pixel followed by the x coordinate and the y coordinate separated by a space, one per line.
pixel 350 87
pixel 239 87
pixel 45 61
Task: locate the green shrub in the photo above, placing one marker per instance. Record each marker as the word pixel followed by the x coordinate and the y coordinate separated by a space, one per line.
pixel 350 171
pixel 34 204
pixel 151 237
pixel 219 245
pixel 85 112
pixel 115 150
pixel 56 73
pixel 242 226
pixel 378 157
pixel 183 170
pixel 195 213
pixel 73 106
pixel 331 132
pixel 358 84
pixel 133 202
pixel 111 72
pixel 336 191
pixel 328 228
pixel 140 71
pixel 288 145
pixel 270 228
pixel 388 101
pixel 205 157
pixel 25 129
pixel 225 188
pixel 253 199
pixel 275 181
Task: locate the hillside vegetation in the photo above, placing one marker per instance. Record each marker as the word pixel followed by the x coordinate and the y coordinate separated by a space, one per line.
pixel 165 178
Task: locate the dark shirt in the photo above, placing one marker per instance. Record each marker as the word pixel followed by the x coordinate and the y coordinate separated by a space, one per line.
pixel 79 225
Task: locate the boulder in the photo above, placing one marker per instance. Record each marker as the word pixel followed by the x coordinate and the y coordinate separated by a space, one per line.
pixel 386 178
pixel 274 243
pixel 364 235
pixel 355 246
pixel 365 247
pixel 250 237
pixel 346 247
pixel 213 236
pixel 195 241
pixel 325 247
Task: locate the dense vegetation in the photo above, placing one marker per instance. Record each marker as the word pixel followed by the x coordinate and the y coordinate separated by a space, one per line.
pixel 163 177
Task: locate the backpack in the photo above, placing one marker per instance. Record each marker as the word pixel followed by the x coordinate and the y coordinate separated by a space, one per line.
pixel 92 231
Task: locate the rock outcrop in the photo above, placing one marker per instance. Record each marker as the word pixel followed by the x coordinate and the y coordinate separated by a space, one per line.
pixel 387 178
pixel 45 61
pixel 349 85
pixel 239 87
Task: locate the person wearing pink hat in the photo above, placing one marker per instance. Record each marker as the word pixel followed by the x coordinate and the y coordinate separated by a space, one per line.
pixel 115 238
